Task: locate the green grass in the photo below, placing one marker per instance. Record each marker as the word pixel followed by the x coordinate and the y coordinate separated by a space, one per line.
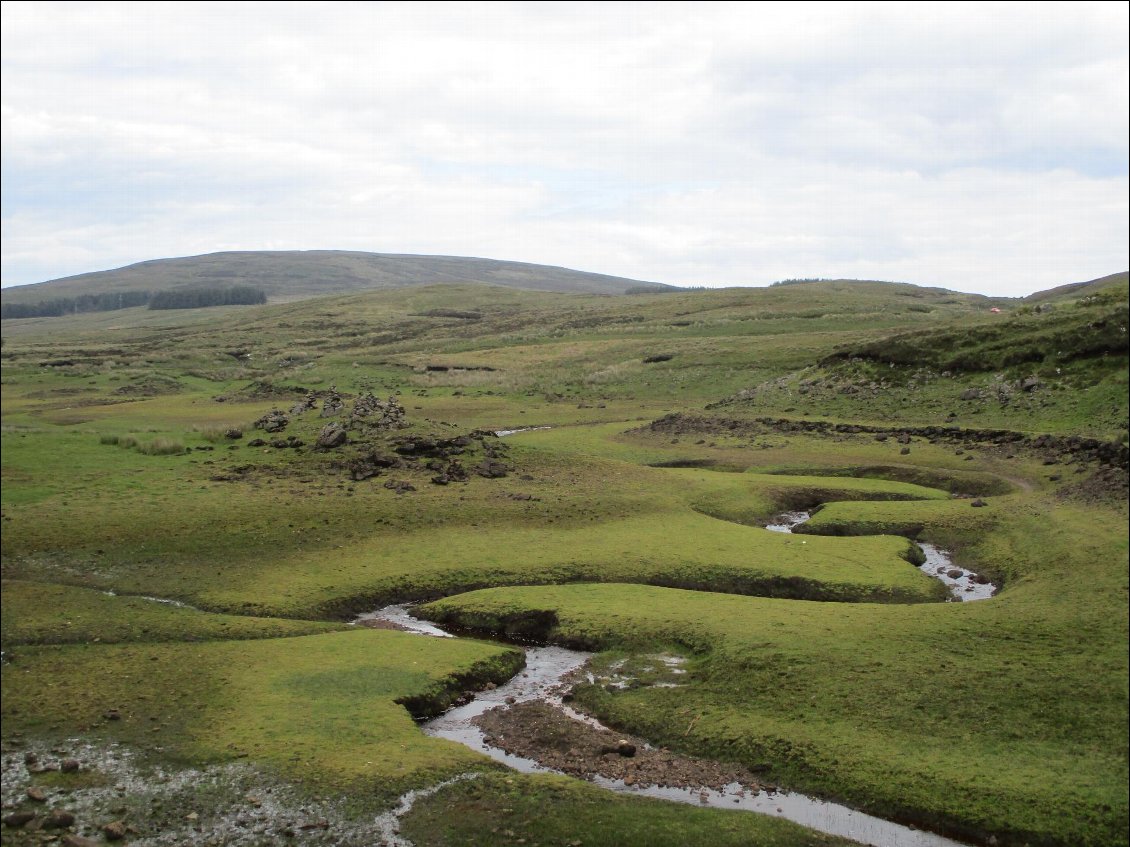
pixel 320 708
pixel 950 716
pixel 47 613
pixel 498 810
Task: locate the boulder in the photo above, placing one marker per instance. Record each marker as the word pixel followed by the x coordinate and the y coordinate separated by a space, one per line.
pixel 332 435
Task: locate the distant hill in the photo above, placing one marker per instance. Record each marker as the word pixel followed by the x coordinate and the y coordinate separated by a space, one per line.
pixel 294 275
pixel 1079 289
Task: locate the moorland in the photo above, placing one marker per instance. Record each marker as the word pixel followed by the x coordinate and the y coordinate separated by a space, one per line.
pixel 269 472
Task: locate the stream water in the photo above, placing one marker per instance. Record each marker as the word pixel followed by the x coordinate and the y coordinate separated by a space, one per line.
pixel 543 679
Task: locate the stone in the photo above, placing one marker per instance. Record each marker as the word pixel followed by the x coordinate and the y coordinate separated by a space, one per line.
pixel 72 840
pixel 18 819
pixel 58 819
pixel 978 503
pixel 625 748
pixel 491 469
pixel 332 435
pixel 36 794
pixel 114 830
pixel 70 766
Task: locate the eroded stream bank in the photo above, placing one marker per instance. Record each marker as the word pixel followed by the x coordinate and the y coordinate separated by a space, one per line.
pixel 963 584
pixel 526 725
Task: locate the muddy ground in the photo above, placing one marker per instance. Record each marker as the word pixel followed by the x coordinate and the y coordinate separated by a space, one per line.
pixel 539 731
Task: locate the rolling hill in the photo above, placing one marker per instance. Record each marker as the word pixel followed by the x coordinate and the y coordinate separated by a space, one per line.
pixel 294 275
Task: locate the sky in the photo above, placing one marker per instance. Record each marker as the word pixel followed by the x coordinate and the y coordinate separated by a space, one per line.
pixel 981 147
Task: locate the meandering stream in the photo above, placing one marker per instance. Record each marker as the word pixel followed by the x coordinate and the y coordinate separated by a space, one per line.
pixel 543 679
pixel 964 584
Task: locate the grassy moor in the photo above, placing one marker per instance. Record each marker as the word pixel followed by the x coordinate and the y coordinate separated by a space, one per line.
pixel 198 503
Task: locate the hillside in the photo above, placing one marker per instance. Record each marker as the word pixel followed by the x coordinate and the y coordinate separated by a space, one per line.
pixel 291 275
pixel 1113 284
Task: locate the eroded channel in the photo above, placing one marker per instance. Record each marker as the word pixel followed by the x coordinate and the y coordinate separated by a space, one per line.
pixel 546 679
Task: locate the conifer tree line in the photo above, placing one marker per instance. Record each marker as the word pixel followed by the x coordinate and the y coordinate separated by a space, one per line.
pixel 188 298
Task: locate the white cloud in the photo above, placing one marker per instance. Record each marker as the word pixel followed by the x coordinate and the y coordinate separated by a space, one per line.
pixel 977 146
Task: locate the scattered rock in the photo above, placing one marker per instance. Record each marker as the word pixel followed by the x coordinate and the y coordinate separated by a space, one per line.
pixel 70 766
pixel 36 794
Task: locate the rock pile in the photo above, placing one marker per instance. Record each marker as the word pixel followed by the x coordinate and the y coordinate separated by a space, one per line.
pixel 308 402
pixel 333 404
pixel 274 421
pixel 370 413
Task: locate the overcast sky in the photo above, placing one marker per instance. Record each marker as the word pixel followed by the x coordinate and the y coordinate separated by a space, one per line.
pixel 979 147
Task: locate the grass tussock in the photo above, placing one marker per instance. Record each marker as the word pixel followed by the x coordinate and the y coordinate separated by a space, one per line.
pixel 156 447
